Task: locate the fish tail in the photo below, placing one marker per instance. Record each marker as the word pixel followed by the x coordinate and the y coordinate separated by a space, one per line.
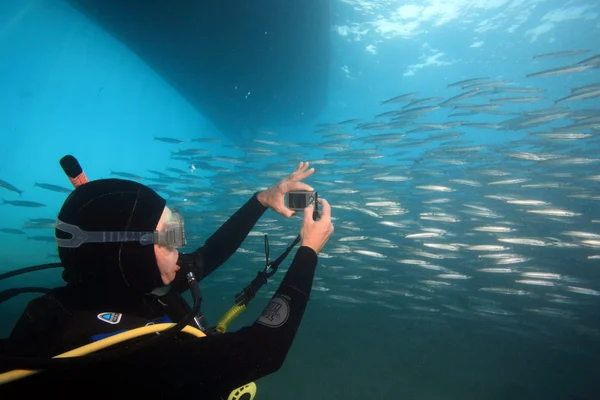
pixel 3 202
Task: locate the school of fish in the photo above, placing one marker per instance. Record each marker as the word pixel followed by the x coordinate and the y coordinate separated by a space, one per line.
pixel 429 223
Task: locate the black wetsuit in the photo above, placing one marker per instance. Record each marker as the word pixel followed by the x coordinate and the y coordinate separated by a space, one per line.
pixel 206 368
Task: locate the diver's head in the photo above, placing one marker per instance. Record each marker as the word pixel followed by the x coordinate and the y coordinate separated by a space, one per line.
pixel 119 234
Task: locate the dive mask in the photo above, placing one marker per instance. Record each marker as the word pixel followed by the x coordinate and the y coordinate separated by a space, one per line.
pixel 172 235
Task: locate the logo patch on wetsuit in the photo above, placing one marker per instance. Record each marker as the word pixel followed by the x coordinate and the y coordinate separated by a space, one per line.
pixel 110 317
pixel 276 313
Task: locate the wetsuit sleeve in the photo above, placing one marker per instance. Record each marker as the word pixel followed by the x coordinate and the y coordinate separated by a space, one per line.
pixel 227 361
pixel 230 236
pixel 225 241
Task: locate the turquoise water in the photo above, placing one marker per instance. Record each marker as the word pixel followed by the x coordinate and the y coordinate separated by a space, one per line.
pixel 429 317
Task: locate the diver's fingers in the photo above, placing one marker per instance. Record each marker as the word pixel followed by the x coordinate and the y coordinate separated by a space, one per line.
pixel 304 175
pixel 308 214
pixel 301 172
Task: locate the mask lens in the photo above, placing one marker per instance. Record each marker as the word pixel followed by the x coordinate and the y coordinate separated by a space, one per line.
pixel 174 233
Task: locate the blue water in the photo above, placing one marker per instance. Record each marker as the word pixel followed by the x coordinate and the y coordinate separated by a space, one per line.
pixel 70 88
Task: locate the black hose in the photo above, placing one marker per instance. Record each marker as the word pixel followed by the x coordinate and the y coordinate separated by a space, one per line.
pixel 16 272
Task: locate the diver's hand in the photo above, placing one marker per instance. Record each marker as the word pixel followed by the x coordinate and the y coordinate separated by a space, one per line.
pixel 273 197
pixel 316 233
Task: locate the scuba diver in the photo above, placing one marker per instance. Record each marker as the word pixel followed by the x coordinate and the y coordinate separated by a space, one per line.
pixel 120 325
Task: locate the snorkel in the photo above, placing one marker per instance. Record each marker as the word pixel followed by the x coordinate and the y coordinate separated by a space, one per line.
pixel 73 170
